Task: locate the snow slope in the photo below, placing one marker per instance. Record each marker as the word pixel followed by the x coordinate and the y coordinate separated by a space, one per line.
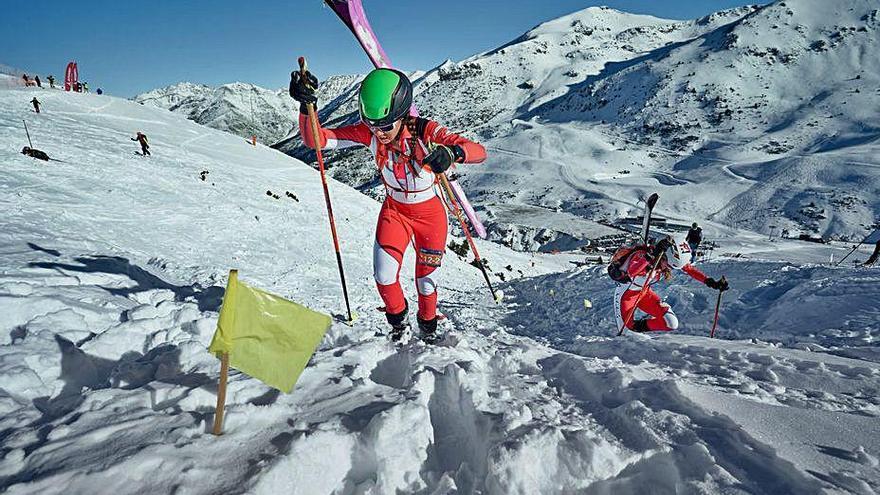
pixel 111 277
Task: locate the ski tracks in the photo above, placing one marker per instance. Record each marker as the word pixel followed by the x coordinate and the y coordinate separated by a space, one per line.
pixel 661 397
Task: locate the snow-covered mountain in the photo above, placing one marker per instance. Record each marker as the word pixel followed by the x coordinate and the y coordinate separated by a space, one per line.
pixel 240 108
pixel 112 272
pixel 763 117
pixel 783 100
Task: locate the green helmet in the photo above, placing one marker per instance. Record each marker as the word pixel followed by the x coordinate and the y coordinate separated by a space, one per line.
pixel 385 97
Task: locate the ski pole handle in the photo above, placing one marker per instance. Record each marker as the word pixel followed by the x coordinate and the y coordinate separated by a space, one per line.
pixel 303 69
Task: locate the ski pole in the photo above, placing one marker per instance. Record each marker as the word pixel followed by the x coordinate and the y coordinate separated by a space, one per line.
pixel 717 307
pixel 457 212
pixel 847 254
pixel 313 119
pixel 28 133
pixel 641 293
pixel 856 247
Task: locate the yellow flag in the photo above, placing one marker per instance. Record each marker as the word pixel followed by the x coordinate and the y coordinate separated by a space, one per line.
pixel 266 336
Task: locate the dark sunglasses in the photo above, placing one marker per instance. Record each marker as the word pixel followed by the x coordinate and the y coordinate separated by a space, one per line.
pixel 383 128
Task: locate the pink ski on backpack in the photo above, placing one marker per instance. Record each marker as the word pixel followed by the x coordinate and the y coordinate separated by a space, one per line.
pixel 352 14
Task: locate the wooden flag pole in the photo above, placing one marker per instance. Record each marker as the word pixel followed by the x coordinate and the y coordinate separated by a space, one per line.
pixel 221 394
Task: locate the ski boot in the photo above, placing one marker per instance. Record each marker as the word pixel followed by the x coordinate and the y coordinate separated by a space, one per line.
pixel 428 330
pixel 400 332
pixel 641 326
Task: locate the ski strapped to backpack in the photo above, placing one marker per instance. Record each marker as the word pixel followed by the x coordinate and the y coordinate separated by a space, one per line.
pixel 646 219
pixel 620 258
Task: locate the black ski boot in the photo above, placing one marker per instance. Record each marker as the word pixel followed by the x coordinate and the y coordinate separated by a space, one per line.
pixel 428 330
pixel 399 326
pixel 641 326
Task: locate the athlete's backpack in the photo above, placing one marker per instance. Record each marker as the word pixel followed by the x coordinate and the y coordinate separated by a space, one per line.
pixel 620 257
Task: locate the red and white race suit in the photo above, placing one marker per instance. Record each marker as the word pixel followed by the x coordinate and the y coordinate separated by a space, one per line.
pixel 413 210
pixel 662 318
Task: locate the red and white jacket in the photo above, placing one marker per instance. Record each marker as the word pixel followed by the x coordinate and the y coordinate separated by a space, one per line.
pixel 638 265
pixel 405 182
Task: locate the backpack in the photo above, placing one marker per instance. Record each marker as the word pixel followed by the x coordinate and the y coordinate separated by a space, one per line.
pixel 620 257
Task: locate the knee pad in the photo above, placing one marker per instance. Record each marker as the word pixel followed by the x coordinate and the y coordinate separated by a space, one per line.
pixel 671 320
pixel 426 285
pixel 385 266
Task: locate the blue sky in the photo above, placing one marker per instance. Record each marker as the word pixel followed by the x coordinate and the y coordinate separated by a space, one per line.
pixel 127 48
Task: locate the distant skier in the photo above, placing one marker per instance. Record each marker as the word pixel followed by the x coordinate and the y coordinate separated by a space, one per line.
pixel 413 209
pixel 51 80
pixel 99 91
pixel 34 153
pixel 37 80
pixel 636 268
pixel 876 254
pixel 694 238
pixel 36 103
pixel 26 79
pixel 142 139
pixel 85 87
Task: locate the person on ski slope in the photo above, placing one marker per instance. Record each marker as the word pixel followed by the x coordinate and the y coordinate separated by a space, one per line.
pixel 142 139
pixel 409 152
pixel 638 267
pixel 36 103
pixel 35 153
pixel 694 238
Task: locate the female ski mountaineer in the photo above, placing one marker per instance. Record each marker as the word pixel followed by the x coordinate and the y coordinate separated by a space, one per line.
pixel 638 269
pixel 409 152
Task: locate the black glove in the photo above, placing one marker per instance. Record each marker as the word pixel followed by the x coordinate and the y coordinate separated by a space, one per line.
pixel 443 157
pixel 721 285
pixel 302 89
